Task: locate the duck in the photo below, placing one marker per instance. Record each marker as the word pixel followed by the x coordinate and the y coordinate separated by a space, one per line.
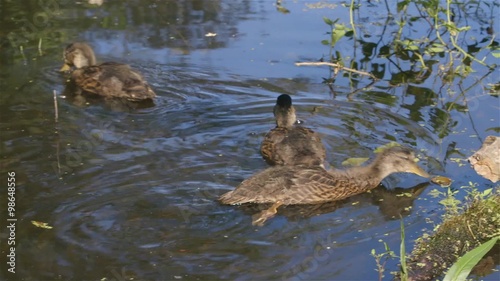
pixel 108 79
pixel 289 143
pixel 299 184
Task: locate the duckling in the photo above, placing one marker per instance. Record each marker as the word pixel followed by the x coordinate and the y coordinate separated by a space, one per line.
pixel 291 185
pixel 290 144
pixel 109 79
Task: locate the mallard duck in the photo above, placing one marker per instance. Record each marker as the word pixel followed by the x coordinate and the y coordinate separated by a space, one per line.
pixel 291 185
pixel 290 144
pixel 109 79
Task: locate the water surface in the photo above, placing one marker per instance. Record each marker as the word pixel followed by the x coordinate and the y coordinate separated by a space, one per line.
pixel 132 193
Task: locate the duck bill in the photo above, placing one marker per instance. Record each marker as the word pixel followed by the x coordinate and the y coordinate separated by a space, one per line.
pixel 417 170
pixel 65 68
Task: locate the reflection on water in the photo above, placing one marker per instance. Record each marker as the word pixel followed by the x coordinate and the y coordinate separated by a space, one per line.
pixel 132 193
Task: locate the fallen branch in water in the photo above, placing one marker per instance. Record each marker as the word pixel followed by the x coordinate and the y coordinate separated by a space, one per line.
pixel 337 66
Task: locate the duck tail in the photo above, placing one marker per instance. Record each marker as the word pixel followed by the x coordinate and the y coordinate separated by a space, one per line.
pixel 229 199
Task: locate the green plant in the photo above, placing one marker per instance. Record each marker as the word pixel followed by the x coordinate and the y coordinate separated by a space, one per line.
pixel 382 258
pixel 463 228
pixel 450 203
pixel 461 269
pixel 456 235
pixel 402 254
pixel 440 38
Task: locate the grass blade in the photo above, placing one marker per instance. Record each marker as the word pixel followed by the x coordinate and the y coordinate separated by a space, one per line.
pixel 402 253
pixel 461 269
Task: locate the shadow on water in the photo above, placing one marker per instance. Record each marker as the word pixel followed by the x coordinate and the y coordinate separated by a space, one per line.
pixel 131 193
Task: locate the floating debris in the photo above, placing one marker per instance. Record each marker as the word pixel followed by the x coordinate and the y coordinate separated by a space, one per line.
pixel 41 224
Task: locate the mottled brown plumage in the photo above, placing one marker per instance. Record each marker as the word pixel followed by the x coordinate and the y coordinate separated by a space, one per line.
pixel 310 185
pixel 290 144
pixel 109 79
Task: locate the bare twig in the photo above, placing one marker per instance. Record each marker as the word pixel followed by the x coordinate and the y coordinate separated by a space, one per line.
pixel 55 106
pixel 338 66
pixel 56 118
pixel 351 94
pixel 470 230
pixel 40 47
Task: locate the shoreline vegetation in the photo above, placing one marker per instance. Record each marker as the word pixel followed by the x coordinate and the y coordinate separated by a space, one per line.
pixel 459 233
pixel 469 226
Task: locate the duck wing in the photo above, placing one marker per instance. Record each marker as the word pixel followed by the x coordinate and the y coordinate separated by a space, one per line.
pixel 114 80
pixel 292 185
pixel 270 146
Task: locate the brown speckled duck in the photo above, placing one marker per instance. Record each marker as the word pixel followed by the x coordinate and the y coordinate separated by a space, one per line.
pixel 289 185
pixel 290 144
pixel 109 79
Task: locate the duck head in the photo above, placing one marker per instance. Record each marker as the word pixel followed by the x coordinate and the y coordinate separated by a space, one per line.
pixel 398 159
pixel 284 112
pixel 78 55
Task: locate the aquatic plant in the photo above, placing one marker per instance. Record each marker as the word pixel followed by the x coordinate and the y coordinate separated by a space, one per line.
pixel 458 234
pixel 418 38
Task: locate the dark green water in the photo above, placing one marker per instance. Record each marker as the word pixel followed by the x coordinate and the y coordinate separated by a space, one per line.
pixel 132 193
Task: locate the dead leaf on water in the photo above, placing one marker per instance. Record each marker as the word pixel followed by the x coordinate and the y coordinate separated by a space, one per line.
pixel 442 181
pixel 41 224
pixel 406 194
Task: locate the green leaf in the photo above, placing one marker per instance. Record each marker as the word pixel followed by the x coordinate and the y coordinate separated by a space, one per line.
pixel 464 28
pixel 409 45
pixel 325 42
pixel 412 48
pixel 329 21
pixel 337 33
pixel 354 161
pixel 402 5
pixel 487 192
pixel 461 269
pixel 436 48
pixel 386 146
pixel 496 54
pixel 435 193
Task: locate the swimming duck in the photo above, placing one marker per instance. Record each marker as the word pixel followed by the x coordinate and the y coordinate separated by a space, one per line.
pixel 109 79
pixel 290 144
pixel 291 185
